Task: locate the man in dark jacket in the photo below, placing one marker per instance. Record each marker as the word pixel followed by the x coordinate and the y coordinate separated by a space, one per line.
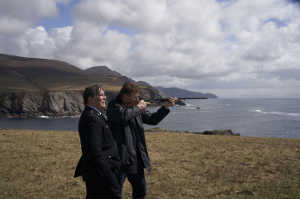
pixel 126 115
pixel 99 164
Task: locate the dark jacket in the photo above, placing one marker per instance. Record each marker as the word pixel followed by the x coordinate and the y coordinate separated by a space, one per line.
pixel 128 131
pixel 100 155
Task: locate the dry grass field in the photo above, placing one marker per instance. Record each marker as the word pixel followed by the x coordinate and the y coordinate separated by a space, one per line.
pixel 40 164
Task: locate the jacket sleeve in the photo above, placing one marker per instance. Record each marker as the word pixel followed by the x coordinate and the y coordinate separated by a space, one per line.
pixel 156 117
pixel 120 115
pixel 96 154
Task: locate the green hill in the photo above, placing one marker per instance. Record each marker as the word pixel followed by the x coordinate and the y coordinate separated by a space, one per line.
pixel 30 87
pixel 32 74
pixel 27 74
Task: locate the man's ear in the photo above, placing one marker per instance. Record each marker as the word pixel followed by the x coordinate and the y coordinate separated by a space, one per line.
pixel 124 98
pixel 90 101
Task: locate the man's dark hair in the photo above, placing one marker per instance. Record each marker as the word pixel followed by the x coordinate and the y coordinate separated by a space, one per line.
pixel 91 91
pixel 128 88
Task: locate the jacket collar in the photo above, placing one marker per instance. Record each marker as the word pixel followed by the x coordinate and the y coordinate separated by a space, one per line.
pixel 98 111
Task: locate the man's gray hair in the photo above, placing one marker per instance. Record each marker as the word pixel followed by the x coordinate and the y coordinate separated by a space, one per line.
pixel 91 91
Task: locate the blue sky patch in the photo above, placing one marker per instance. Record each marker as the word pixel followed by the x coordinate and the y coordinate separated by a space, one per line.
pixel 279 23
pixel 122 30
pixel 64 18
pixel 231 38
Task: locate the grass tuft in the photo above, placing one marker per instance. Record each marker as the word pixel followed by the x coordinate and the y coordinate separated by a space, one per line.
pixel 40 164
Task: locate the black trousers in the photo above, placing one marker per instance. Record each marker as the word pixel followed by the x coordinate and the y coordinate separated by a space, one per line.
pixel 97 187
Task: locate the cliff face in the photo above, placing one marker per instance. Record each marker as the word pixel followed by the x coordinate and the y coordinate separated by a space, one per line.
pixel 149 92
pixel 31 87
pixel 32 104
pixel 48 103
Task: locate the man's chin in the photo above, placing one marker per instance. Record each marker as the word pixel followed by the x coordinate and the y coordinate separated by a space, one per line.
pixel 103 105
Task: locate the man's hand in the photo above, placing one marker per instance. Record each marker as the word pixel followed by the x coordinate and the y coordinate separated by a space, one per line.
pixel 142 105
pixel 171 102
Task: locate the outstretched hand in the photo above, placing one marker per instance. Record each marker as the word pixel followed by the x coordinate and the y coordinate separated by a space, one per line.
pixel 171 102
pixel 142 105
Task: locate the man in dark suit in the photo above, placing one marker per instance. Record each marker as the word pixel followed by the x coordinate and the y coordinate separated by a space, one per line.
pixel 126 115
pixel 99 164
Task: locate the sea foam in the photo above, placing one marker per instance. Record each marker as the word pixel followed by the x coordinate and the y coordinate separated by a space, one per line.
pixel 278 113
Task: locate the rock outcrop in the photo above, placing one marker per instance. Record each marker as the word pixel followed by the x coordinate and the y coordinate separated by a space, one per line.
pixel 220 132
pixel 206 132
pixel 48 103
pixel 33 104
pixel 31 87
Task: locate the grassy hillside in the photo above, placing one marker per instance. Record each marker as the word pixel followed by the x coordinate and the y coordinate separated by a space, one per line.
pixel 40 164
pixel 31 87
pixel 31 74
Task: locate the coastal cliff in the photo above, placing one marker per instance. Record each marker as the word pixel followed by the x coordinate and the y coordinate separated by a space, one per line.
pixel 48 103
pixel 31 87
pixel 33 104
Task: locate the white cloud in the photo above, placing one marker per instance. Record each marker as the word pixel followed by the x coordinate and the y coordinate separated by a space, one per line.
pixel 91 45
pixel 145 16
pixel 61 36
pixel 11 26
pixel 25 13
pixel 239 46
pixel 39 44
pixel 17 20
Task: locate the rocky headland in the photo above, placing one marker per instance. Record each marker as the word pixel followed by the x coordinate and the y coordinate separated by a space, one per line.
pixel 31 87
pixel 34 104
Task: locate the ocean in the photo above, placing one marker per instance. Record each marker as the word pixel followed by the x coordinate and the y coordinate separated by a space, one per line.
pixel 249 117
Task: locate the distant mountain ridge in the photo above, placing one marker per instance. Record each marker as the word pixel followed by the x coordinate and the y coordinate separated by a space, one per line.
pixel 104 71
pixel 30 87
pixel 30 74
pixel 178 92
pixel 33 74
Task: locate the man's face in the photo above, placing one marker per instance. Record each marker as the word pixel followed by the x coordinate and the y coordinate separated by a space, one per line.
pixel 99 101
pixel 131 100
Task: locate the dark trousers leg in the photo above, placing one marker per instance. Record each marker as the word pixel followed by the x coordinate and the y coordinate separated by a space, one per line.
pixel 95 190
pixel 138 184
pixel 99 189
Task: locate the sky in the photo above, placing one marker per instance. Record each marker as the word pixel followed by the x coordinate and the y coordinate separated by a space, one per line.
pixel 232 48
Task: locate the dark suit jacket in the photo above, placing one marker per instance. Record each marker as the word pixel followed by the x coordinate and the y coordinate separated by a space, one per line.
pixel 128 131
pixel 99 151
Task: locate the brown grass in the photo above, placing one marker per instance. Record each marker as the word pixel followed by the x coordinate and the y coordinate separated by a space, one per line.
pixel 40 164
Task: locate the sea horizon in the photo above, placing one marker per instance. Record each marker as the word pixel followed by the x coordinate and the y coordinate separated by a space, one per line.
pixel 256 117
